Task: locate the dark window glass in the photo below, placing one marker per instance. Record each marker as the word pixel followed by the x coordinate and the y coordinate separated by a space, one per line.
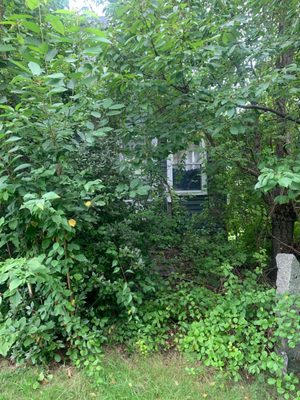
pixel 188 178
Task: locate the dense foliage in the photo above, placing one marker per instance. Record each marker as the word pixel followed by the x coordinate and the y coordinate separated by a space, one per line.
pixel 227 72
pixel 90 253
pixel 61 210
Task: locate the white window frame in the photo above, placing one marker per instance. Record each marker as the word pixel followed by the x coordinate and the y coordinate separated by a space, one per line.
pixel 203 191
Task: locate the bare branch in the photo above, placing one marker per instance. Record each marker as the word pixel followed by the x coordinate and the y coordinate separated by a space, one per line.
pixel 286 245
pixel 270 110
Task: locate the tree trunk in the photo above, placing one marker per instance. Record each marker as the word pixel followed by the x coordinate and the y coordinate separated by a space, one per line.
pixel 283 216
pixel 283 220
pixel 217 195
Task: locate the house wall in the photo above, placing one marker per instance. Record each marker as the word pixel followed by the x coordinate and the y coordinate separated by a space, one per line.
pixel 193 203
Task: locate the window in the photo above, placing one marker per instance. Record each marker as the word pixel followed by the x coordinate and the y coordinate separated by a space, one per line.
pixel 186 171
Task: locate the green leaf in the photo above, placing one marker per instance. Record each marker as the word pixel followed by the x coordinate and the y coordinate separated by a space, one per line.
pixel 282 199
pixel 103 131
pixel 230 112
pixel 31 26
pixel 50 196
pixel 234 130
pixel 284 181
pixel 80 257
pixel 107 103
pixel 114 112
pixel 100 203
pixel 20 65
pixel 20 16
pixel 77 277
pixel 57 219
pixel 93 50
pixel 99 133
pixel 32 4
pixel 22 166
pixel 6 48
pixel 116 106
pixel 96 114
pixel 59 89
pixel 96 32
pixel 134 183
pixel 71 84
pixel 13 223
pixel 228 37
pixel 34 68
pixel 35 385
pixel 143 190
pixel 15 299
pixel 64 12
pixel 35 266
pixel 57 75
pixel 261 88
pixel 15 283
pixel 56 23
pixel 40 204
pixel 41 376
pixel 6 344
pixel 13 139
pixel 51 54
pixel 103 40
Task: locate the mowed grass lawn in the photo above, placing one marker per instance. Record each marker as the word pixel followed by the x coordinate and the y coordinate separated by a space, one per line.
pixel 156 377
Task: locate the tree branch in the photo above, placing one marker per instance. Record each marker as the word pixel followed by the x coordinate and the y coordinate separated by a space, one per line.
pixel 270 110
pixel 286 245
pixel 249 170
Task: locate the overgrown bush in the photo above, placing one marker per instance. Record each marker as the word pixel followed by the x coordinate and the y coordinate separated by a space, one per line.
pixel 244 329
pixel 87 255
pixel 65 268
pixel 237 328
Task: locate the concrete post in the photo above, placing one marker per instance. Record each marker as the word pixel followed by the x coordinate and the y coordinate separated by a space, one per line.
pixel 288 282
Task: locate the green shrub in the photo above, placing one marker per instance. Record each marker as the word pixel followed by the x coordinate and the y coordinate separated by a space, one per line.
pixel 241 332
pixel 236 333
pixel 236 329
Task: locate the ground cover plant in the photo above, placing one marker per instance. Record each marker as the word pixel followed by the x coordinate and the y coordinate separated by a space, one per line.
pixel 91 253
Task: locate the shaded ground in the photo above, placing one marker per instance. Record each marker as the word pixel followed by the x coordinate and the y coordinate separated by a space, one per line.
pixel 155 377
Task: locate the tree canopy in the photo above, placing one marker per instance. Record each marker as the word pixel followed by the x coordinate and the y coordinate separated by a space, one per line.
pixel 90 108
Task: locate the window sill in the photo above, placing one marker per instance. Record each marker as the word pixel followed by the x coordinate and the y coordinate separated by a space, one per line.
pixel 191 192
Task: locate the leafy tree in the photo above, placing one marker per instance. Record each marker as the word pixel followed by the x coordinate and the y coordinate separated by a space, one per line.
pixel 225 71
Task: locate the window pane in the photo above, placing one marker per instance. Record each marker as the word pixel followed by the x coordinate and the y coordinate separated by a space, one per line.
pixel 188 178
pixel 192 156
